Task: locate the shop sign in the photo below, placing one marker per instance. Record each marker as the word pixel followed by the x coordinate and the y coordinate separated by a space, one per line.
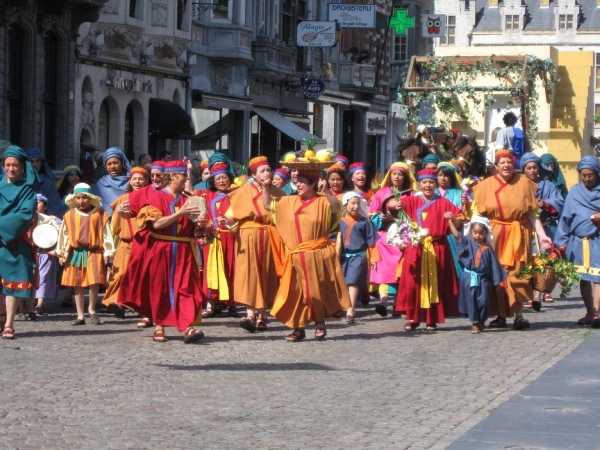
pixel 313 33
pixel 314 88
pixel 264 89
pixel 296 85
pixel 376 123
pixel 134 85
pixel 352 16
pixel 433 25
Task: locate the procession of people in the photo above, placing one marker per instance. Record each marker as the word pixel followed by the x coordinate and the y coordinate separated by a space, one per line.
pixel 294 244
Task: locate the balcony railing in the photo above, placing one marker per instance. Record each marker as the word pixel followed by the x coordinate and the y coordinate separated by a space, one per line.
pixel 359 75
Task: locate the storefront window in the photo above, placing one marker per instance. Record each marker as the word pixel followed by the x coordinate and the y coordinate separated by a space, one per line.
pixel 216 131
pixel 222 11
pixel 129 130
pixel 103 126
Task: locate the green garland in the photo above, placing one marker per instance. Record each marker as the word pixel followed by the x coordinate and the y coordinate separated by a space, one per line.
pixel 455 80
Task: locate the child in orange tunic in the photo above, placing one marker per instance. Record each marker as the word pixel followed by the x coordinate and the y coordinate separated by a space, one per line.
pixel 85 246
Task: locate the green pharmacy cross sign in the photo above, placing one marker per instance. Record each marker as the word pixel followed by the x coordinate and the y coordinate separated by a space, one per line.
pixel 401 22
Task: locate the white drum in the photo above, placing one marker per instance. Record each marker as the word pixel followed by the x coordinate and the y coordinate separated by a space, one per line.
pixel 45 237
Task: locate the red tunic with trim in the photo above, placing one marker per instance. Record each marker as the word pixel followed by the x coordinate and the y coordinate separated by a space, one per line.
pixel 163 279
pixel 430 216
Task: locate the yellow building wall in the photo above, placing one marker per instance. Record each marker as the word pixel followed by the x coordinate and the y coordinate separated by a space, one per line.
pixel 569 141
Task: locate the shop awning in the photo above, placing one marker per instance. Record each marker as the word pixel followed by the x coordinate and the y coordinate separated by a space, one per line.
pixel 168 120
pixel 286 126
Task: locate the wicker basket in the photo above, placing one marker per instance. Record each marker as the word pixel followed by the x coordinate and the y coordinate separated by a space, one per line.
pixel 310 165
pixel 546 281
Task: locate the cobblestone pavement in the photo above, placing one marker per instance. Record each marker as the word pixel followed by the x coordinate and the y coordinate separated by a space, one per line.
pixel 370 385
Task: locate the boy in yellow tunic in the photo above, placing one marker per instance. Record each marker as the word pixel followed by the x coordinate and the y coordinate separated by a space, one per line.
pixel 312 286
pixel 85 246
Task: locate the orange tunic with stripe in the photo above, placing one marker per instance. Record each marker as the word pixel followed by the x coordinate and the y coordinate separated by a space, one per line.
pixel 312 285
pixel 258 249
pixel 125 229
pixel 84 264
pixel 507 206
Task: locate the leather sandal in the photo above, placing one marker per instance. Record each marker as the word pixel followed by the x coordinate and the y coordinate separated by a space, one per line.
pixel 144 323
pixel 249 324
pixel 381 309
pixel 261 324
pixel 296 336
pixel 475 329
pixel 431 327
pixel 498 322
pixel 595 323
pixel 192 335
pixel 548 298
pixel 320 331
pixel 159 336
pixel 536 305
pixel 8 333
pixel 411 326
pixel 350 319
pixel 586 320
pixel 521 323
pixel 208 313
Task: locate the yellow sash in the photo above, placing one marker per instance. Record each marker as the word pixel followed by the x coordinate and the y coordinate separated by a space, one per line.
pixel 286 279
pixel 514 248
pixel 429 278
pixel 275 241
pixel 164 237
pixel 215 275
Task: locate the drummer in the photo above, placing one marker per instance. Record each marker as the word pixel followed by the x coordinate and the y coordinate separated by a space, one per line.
pixel 46 259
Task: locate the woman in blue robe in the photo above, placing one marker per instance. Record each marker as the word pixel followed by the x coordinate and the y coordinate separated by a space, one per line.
pixel 114 184
pixel 550 203
pixel 47 182
pixel 578 235
pixel 557 179
pixel 18 204
pixel 449 186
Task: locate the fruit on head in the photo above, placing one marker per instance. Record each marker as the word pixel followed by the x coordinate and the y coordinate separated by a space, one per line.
pixel 289 157
pixel 324 155
pixel 309 154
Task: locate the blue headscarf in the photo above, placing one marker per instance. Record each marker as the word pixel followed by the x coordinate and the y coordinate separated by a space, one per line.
pixel 430 159
pixel 558 179
pixel 216 157
pixel 47 183
pixel 589 162
pixel 18 201
pixel 110 188
pixel 530 157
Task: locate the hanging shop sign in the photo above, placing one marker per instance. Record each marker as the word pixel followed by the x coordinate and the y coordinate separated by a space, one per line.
pixel 313 33
pixel 313 88
pixel 433 25
pixel 352 16
pixel 375 123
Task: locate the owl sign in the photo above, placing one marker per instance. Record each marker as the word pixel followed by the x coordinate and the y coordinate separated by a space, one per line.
pixel 433 25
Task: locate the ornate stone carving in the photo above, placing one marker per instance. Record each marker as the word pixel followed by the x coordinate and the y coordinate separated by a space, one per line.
pixel 111 7
pixel 173 48
pixel 87 108
pixel 160 14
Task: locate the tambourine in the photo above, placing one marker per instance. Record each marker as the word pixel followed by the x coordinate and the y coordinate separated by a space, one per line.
pixel 199 202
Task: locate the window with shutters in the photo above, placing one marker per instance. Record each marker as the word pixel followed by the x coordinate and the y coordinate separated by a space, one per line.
pixel 511 22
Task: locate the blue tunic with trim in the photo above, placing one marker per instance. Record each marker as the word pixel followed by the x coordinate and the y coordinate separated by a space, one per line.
pixel 357 237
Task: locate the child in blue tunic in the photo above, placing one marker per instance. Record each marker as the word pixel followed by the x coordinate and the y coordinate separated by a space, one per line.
pixel 358 238
pixel 482 270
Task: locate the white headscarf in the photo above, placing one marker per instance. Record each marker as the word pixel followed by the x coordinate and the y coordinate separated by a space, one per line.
pixel 489 240
pixel 363 203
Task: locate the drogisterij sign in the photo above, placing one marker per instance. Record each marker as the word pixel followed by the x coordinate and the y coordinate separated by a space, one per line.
pixel 352 16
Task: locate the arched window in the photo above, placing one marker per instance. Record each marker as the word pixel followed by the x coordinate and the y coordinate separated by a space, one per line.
pixel 50 97
pixel 129 133
pixel 104 126
pixel 16 44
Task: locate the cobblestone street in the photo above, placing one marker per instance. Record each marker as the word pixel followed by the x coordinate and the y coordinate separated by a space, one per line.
pixel 370 385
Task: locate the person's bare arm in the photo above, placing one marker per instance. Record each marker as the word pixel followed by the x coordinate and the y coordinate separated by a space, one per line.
pixel 334 203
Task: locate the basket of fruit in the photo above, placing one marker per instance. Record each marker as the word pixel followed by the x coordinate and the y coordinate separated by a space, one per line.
pixel 309 159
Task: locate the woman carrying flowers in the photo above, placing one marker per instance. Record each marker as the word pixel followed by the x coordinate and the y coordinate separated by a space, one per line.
pixel 428 266
pixel 397 183
pixel 579 234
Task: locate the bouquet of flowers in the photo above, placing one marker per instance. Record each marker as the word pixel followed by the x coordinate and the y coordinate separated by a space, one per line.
pixel 404 232
pixel 205 232
pixel 564 271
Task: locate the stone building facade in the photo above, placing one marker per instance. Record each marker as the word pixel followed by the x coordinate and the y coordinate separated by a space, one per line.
pixel 37 86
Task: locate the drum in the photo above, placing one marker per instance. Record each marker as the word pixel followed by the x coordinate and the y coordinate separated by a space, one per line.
pixel 45 235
